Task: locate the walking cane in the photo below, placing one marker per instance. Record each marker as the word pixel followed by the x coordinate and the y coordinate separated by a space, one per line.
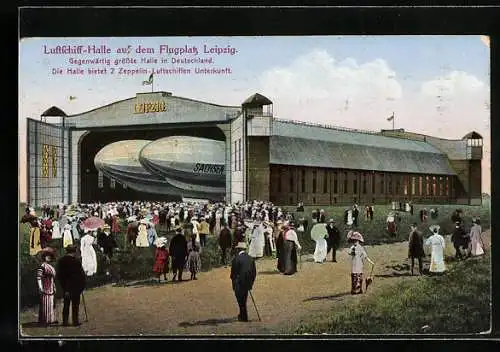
pixel 85 308
pixel 300 259
pixel 369 280
pixel 251 296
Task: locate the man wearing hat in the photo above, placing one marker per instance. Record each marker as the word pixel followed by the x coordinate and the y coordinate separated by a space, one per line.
pixel 224 243
pixel 243 273
pixel 178 251
pixel 416 248
pixel 203 231
pixel 333 241
pixel 459 239
pixel 72 279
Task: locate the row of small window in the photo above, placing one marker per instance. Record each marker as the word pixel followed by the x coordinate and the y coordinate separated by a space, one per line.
pixel 434 185
pixel 49 161
pixel 112 182
pixel 237 155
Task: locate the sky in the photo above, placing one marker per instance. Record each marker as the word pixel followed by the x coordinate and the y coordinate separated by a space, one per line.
pixel 436 85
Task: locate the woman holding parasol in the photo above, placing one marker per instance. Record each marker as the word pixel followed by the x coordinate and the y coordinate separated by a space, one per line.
pixel 358 256
pixel 318 234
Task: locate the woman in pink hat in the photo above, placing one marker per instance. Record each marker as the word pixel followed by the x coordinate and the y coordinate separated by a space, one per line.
pixel 358 256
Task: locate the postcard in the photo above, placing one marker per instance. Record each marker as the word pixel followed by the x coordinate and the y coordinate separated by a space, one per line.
pixel 266 185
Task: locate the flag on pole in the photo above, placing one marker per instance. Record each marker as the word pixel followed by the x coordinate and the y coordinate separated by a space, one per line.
pixel 390 118
pixel 149 81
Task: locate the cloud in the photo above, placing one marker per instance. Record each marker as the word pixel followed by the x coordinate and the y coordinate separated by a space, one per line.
pixel 453 85
pixel 318 76
pixel 317 88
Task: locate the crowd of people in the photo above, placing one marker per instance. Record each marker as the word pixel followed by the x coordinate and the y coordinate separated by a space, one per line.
pixel 178 233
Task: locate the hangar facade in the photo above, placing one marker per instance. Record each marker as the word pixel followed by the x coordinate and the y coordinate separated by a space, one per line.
pixel 265 157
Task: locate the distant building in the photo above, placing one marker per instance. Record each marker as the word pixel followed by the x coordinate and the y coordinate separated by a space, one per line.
pixel 265 157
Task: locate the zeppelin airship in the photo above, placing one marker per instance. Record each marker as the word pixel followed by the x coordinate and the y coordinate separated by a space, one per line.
pixel 188 163
pixel 120 161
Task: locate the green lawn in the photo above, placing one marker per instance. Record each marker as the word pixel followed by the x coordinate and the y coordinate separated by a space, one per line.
pixel 138 265
pixel 456 303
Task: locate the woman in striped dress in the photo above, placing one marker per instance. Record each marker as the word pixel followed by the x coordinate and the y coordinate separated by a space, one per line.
pixel 46 287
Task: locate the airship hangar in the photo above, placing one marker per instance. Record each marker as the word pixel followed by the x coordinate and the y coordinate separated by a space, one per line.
pixel 157 146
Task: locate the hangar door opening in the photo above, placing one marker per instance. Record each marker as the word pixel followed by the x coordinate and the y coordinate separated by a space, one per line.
pixel 121 165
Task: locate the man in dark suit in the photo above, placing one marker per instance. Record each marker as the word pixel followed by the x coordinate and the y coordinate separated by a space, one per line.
pixel 243 273
pixel 416 248
pixel 178 250
pixel 72 279
pixel 333 240
pixel 459 239
pixel 225 242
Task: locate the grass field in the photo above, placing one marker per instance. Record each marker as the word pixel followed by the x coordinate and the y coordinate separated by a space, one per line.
pixel 137 265
pixel 457 303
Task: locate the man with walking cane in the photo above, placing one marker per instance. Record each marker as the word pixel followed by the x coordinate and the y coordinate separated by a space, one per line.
pixel 72 279
pixel 243 273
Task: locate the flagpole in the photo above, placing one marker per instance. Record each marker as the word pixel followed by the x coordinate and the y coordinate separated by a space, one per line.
pixel 393 121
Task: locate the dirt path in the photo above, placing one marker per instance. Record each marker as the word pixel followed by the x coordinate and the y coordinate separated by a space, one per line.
pixel 208 306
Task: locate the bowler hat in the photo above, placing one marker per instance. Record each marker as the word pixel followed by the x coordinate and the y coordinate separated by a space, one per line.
pixel 70 249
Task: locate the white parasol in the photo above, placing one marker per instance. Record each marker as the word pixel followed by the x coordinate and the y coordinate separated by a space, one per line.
pixel 432 227
pixel 249 224
pixel 318 231
pixel 160 242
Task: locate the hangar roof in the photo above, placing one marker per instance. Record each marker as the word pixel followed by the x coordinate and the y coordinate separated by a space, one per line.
pixel 286 150
pixel 290 129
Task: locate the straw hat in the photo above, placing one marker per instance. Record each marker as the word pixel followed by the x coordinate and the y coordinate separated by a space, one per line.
pixel 355 236
pixel 241 245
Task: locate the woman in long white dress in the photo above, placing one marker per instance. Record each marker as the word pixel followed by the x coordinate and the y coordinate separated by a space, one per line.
pixel 218 226
pixel 89 258
pixel 56 230
pixel 320 251
pixel 318 234
pixel 74 230
pixel 196 224
pixel 437 243
pixel 142 237
pixel 67 236
pixel 477 244
pixel 257 243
